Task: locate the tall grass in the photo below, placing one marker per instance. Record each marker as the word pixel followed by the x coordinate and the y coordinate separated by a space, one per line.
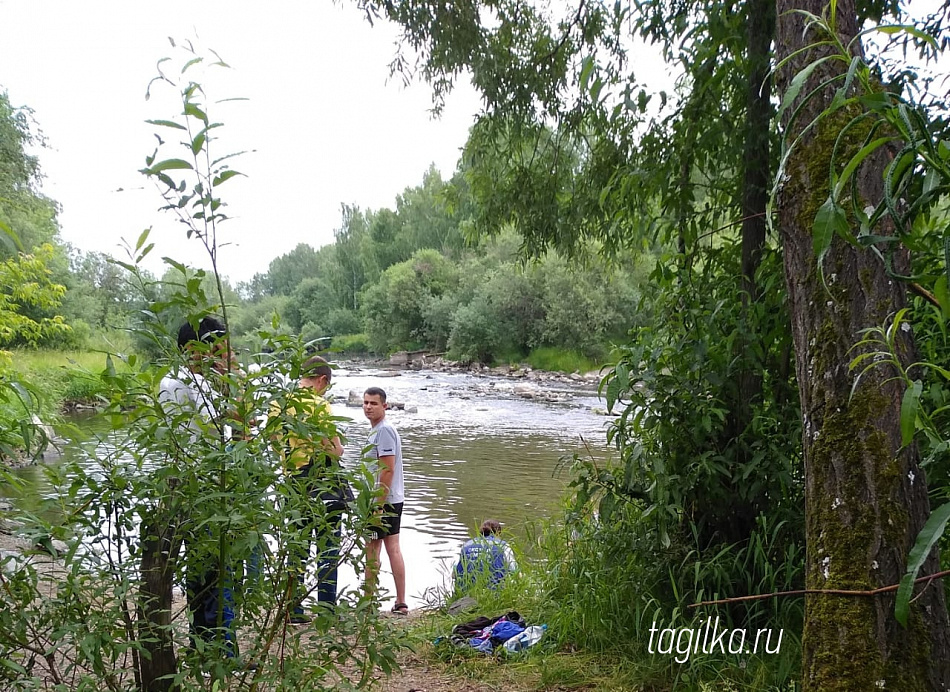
pixel 69 376
pixel 555 359
pixel 601 587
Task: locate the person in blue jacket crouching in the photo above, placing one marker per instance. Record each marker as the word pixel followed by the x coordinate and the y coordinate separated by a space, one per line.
pixel 486 557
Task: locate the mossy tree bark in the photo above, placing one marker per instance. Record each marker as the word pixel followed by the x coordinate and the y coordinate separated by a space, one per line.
pixel 866 497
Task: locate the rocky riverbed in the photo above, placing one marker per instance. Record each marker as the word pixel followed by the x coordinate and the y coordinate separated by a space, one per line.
pixel 515 381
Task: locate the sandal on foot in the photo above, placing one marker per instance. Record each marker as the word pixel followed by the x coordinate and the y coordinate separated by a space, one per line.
pixel 401 609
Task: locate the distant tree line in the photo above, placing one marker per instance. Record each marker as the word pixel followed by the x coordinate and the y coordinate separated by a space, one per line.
pixel 417 277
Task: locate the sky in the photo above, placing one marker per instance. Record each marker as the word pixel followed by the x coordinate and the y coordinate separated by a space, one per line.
pixel 326 123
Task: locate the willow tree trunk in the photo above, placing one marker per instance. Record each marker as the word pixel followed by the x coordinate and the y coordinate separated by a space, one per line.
pixel 160 546
pixel 756 176
pixel 865 496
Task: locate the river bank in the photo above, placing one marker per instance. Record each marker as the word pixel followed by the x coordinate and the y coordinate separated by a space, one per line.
pixel 68 383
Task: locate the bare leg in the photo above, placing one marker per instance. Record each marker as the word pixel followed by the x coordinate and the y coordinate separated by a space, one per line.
pixel 372 565
pixel 398 566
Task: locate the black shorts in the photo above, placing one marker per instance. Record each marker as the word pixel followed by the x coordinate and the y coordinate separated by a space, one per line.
pixel 392 518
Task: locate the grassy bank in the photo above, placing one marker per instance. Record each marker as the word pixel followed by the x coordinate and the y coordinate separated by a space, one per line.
pixel 599 593
pixel 61 377
pixel 555 359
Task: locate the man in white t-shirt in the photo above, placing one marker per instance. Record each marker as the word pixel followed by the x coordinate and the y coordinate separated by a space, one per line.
pixel 386 454
pixel 189 399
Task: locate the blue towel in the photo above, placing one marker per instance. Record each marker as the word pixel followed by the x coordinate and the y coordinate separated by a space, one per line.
pixel 503 630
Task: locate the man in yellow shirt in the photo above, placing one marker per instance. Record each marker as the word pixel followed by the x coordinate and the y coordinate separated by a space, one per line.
pixel 314 465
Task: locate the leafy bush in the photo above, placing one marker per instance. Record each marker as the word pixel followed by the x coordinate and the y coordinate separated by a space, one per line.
pixel 248 317
pixel 177 490
pixel 343 321
pixel 394 307
pixel 311 331
pixel 476 334
pixel 698 448
pixel 350 344
pixel 76 338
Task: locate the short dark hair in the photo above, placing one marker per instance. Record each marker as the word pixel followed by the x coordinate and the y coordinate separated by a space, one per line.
pixel 490 527
pixel 316 366
pixel 377 391
pixel 210 328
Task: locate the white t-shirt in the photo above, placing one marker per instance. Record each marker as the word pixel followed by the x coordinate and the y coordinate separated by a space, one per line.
pixel 386 442
pixel 189 393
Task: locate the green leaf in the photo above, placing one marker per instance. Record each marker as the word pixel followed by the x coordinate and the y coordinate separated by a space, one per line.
pixel 877 101
pixel 10 238
pixel 867 240
pixel 932 180
pixel 586 69
pixel 855 161
pixel 926 539
pixel 612 393
pixel 197 142
pixel 142 238
pixel 193 61
pixel 795 88
pixel 144 253
pixel 595 90
pixel 226 175
pixel 167 123
pixel 193 110
pixel 168 165
pixel 829 220
pixel 942 292
pixel 14 666
pixel 177 265
pixel 227 156
pixel 124 265
pixel 909 405
pixel 891 29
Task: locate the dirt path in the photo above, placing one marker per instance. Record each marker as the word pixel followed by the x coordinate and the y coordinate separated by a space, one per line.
pixel 419 676
pixel 421 672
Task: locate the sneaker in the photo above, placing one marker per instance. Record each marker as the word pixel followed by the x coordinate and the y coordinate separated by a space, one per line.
pixel 300 619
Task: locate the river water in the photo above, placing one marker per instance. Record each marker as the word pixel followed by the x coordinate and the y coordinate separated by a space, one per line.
pixel 472 449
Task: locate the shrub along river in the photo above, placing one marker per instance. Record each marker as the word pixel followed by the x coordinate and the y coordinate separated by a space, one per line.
pixel 473 448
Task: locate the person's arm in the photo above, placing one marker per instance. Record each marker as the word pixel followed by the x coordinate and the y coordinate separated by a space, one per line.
pixel 333 447
pixel 510 564
pixel 387 467
pixel 385 453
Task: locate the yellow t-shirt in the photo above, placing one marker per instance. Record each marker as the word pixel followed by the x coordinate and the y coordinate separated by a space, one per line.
pixel 306 413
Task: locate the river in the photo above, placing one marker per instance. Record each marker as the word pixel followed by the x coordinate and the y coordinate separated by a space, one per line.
pixel 472 449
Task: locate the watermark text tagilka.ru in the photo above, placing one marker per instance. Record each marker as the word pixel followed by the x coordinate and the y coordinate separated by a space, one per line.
pixel 709 638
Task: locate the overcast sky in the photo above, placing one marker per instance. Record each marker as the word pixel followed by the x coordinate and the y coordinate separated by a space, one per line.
pixel 327 123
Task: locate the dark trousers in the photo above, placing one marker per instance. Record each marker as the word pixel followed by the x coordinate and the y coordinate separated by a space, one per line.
pixel 205 591
pixel 326 531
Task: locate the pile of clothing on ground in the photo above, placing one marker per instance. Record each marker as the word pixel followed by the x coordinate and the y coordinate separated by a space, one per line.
pixel 488 634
